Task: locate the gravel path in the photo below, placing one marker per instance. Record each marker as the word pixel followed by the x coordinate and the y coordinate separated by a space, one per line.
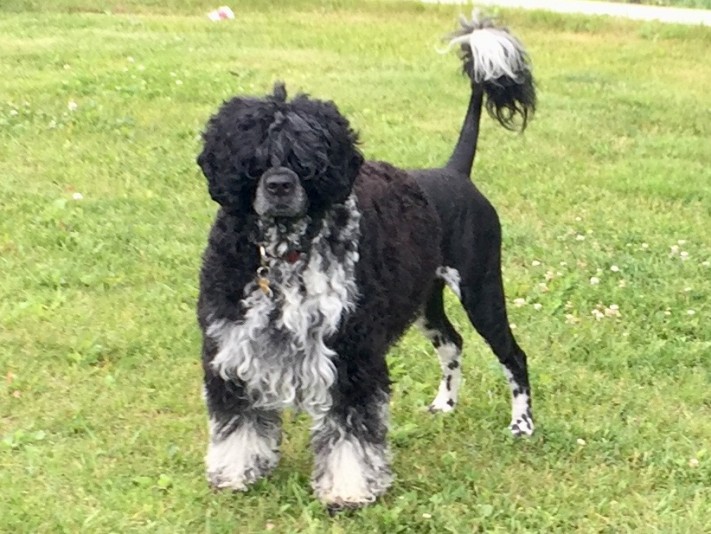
pixel 677 15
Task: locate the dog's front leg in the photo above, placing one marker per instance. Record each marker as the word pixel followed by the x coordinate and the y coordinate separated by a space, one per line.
pixel 244 441
pixel 352 459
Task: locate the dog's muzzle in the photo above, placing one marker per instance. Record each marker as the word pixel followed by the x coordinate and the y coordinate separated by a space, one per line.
pixel 280 194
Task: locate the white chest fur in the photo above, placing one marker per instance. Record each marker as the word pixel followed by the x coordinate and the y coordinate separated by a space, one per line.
pixel 278 349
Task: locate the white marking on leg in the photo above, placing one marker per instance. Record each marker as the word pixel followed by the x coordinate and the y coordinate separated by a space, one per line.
pixel 451 277
pixel 446 399
pixel 349 472
pixel 344 480
pixel 521 415
pixel 449 360
pixel 239 458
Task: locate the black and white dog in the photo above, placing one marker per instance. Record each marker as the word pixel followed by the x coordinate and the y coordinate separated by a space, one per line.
pixel 317 263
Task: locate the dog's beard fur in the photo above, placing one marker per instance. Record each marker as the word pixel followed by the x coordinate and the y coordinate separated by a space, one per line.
pixel 278 350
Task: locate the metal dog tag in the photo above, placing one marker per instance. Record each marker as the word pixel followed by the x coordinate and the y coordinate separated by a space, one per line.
pixel 263 281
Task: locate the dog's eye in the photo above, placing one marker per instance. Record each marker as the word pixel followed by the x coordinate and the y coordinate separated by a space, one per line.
pixel 253 169
pixel 304 173
pixel 306 170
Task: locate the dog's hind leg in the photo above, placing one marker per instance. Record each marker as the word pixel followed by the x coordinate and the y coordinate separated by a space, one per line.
pixel 435 325
pixel 483 299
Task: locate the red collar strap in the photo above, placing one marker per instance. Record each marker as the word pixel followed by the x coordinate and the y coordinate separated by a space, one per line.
pixel 291 256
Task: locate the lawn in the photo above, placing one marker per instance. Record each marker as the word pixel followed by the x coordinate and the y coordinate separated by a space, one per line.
pixel 698 4
pixel 606 207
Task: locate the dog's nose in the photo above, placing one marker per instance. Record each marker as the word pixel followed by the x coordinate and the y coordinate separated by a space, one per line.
pixel 280 184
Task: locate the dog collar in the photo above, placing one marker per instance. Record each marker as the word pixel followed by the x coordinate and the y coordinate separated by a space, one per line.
pixel 291 256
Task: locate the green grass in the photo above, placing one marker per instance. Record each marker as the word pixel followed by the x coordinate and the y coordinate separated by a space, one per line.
pixel 699 4
pixel 102 424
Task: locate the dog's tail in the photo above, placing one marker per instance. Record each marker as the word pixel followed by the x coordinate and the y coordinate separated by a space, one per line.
pixel 499 69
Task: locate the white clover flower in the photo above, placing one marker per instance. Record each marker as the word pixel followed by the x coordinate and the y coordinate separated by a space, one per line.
pixel 693 462
pixel 578 219
pixel 518 302
pixel 706 263
pixel 77 196
pixel 580 441
pixel 614 268
pixel 597 314
pixel 684 255
pixel 594 280
pixel 130 59
pixel 512 326
pixel 563 263
pixel 426 516
pixel 580 237
pixel 612 311
pixel 681 242
pixel 645 246
pixel 72 106
pixel 621 283
pixel 535 263
pixel 690 312
pixel 537 306
pixel 674 249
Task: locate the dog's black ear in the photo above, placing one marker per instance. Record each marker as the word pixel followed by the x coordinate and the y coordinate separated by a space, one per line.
pixel 356 162
pixel 223 184
pixel 333 151
pixel 216 186
pixel 230 157
pixel 345 158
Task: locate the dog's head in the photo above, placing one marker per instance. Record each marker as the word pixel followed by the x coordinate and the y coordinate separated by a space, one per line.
pixel 279 158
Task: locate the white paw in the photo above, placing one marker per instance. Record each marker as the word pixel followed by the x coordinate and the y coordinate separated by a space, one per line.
pixel 445 401
pixel 343 501
pixel 522 425
pixel 239 459
pixel 442 405
pixel 231 479
pixel 352 475
pixel 240 475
